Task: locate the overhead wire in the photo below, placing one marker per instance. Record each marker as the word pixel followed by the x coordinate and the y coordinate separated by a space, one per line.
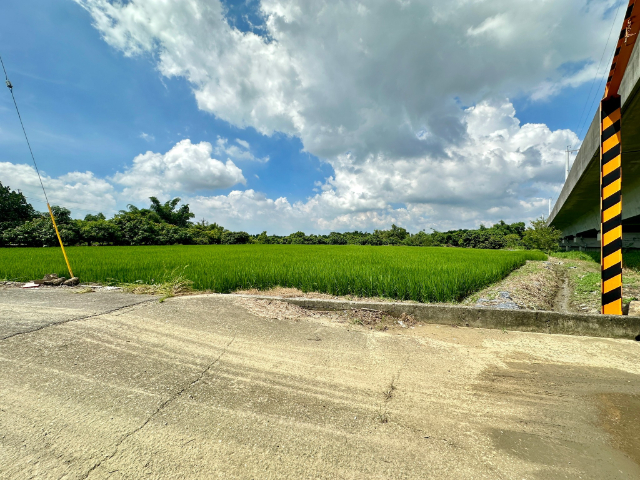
pixel 10 86
pixel 23 129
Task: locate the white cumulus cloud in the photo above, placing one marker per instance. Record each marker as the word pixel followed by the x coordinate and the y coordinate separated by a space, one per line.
pixel 187 167
pixel 147 136
pixel 81 192
pixel 502 170
pixel 376 91
pixel 241 151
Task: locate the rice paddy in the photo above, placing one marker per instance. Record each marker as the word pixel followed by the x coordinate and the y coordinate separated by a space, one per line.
pixel 403 273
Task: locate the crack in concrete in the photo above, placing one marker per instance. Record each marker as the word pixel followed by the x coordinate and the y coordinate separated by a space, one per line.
pixel 77 319
pixel 161 407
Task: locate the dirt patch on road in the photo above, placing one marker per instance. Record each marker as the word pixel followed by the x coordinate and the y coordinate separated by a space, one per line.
pixel 288 292
pixel 280 310
pixel 366 317
pixel 618 411
pixel 620 417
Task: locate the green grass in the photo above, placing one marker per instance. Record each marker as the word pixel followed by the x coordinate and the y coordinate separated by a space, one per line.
pixel 577 255
pixel 588 283
pixel 630 258
pixel 405 273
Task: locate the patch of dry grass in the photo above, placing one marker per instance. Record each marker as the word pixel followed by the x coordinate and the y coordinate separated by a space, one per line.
pixel 375 319
pixel 171 284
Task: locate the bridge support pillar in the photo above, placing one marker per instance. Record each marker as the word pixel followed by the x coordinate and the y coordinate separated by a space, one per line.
pixel 611 205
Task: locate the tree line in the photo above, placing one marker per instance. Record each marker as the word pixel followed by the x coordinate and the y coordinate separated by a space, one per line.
pixel 170 223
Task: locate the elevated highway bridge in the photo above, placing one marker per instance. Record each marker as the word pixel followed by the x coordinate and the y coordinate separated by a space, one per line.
pixel 577 211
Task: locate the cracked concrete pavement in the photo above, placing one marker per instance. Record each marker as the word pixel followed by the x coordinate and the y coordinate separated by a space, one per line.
pixel 43 307
pixel 110 385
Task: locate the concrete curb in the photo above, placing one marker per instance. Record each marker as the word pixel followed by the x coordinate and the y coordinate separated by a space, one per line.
pixel 612 326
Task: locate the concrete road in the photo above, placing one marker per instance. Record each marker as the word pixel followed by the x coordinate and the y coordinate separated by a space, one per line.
pixel 206 387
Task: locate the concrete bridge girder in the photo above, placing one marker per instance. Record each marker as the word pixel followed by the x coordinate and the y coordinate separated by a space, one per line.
pixel 577 210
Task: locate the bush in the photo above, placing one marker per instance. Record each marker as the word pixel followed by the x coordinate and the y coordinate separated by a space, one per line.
pixel 513 241
pixel 541 237
pixel 235 238
pixel 101 232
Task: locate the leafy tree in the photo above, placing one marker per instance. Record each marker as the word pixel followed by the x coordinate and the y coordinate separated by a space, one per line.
pixel 39 232
pixel 235 238
pixel 167 234
pixel 136 226
pixel 513 240
pixel 102 232
pixel 263 238
pixel 14 210
pixel 203 233
pixel 395 236
pixel 168 213
pixel 299 238
pixel 541 236
pixel 134 212
pixel 25 235
pixel 420 239
pixel 505 229
pixel 94 218
pixel 14 206
pixel 61 214
pixel 336 238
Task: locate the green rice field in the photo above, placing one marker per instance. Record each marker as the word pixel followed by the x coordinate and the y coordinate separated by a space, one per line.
pixel 405 273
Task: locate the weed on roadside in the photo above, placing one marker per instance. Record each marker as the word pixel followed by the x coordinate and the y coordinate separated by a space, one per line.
pixel 169 285
pixel 382 416
pixel 388 391
pixel 375 319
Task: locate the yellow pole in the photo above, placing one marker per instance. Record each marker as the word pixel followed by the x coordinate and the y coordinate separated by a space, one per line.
pixel 60 240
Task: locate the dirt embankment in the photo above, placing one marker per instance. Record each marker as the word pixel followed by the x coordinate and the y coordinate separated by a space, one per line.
pixel 581 286
pixel 560 285
pixel 533 286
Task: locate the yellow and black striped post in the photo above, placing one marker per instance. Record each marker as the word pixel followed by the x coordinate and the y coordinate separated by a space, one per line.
pixel 611 206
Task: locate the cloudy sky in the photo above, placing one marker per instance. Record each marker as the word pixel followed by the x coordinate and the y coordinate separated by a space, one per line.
pixel 285 115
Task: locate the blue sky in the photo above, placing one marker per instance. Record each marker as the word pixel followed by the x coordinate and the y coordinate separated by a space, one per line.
pixel 340 129
pixel 85 105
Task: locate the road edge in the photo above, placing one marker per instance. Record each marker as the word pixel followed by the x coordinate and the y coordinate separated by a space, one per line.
pixel 541 321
